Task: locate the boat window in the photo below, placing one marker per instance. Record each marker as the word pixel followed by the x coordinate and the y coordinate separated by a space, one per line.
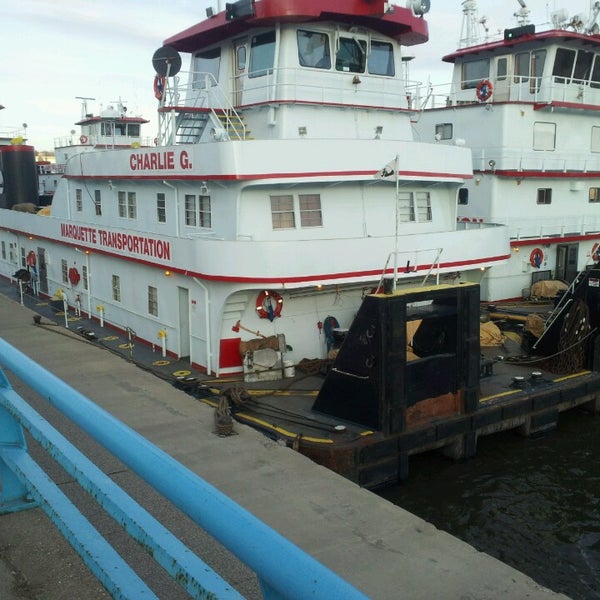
pixel 116 288
pixel 530 66
pixel 161 208
pixel 595 78
pixel 463 196
pixel 197 211
pixel 502 68
pixel 152 301
pixel 381 59
pixel 594 194
pixel 127 205
pixel 240 58
pixel 64 269
pixel 522 67
pixel 282 212
pixel 78 200
pixel 423 207
pixel 473 72
pixel 310 210
pixel 443 131
pixel 544 136
pixel 133 129
pixel 563 65
pixel 206 68
pixel 544 196
pixel 3 250
pixel 538 60
pixel 98 202
pixel 595 142
pixel 414 207
pixel 107 128
pixel 351 55
pixel 583 66
pixel 313 49
pixel 262 54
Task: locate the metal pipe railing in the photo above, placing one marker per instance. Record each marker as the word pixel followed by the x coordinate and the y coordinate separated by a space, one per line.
pixel 284 571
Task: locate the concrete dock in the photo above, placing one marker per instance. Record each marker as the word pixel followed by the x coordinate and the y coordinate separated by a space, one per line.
pixel 380 548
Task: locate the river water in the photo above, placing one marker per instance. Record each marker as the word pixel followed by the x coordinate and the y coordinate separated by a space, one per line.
pixel 532 503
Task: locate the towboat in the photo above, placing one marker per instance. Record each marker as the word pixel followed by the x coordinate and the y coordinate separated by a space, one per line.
pixel 109 129
pixel 527 105
pixel 283 185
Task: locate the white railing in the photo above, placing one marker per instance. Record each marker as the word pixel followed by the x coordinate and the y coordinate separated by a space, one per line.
pixel 521 89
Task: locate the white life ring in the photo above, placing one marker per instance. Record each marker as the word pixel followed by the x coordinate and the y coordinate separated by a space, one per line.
pixel 83 139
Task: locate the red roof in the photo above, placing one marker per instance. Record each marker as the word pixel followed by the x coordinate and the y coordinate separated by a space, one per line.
pixel 557 35
pixel 399 23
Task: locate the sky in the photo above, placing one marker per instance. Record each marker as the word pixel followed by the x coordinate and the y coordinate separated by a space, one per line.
pixel 55 52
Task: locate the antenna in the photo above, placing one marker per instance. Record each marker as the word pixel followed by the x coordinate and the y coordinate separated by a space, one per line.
pixel 468 34
pixel 523 13
pixel 84 108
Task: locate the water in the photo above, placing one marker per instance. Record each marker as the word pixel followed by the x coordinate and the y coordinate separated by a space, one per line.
pixel 532 503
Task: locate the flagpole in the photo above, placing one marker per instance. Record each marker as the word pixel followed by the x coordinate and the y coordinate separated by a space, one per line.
pixel 397 222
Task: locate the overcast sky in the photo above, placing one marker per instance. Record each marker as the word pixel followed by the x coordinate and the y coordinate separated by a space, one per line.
pixel 56 51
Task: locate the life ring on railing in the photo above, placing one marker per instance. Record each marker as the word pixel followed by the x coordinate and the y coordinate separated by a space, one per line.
pixel 596 252
pixel 484 90
pixel 159 86
pixel 31 259
pixel 269 305
pixel 536 257
pixel 74 276
pixel 83 139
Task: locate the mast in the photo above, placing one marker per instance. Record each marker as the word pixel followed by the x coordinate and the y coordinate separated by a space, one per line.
pixel 469 35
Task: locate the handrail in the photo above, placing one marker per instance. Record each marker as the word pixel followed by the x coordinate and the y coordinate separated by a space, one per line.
pixel 285 572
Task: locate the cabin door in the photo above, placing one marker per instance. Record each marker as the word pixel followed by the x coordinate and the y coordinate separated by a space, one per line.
pixel 42 270
pixel 501 91
pixel 240 59
pixel 184 322
pixel 566 262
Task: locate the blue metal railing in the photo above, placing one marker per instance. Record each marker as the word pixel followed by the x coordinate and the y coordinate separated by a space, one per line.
pixel 283 572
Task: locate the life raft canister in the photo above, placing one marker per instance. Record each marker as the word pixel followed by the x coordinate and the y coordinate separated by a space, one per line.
pixel 74 276
pixel 484 90
pixel 269 305
pixel 536 257
pixel 159 86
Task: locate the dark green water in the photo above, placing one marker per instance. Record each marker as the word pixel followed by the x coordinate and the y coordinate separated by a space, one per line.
pixel 532 503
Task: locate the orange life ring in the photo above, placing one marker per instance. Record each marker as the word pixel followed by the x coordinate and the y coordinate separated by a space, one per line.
pixel 536 257
pixel 31 259
pixel 159 86
pixel 484 90
pixel 83 139
pixel 269 305
pixel 74 276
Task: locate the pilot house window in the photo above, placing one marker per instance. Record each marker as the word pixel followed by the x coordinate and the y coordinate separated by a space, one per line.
pixel 313 50
pixel 473 72
pixel 381 59
pixel 262 54
pixel 351 55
